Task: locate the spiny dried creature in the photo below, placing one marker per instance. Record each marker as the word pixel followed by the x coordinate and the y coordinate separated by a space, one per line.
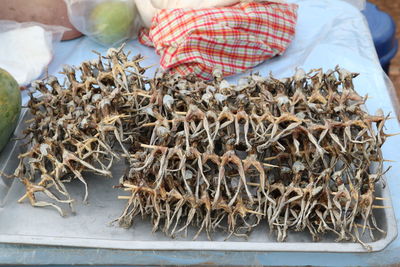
pixel 299 153
pixel 75 125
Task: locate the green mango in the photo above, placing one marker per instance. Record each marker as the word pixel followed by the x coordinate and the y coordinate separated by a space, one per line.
pixel 10 106
pixel 112 21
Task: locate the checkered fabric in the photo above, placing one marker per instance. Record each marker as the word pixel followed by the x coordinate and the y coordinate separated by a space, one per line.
pixel 232 39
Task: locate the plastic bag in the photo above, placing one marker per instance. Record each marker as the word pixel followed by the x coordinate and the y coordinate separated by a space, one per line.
pixel 108 22
pixel 149 8
pixel 360 4
pixel 27 48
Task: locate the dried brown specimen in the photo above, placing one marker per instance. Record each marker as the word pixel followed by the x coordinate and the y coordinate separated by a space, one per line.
pixel 299 153
pixel 75 126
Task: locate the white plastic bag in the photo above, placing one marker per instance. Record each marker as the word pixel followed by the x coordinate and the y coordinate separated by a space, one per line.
pixel 148 8
pixel 108 22
pixel 27 48
pixel 360 4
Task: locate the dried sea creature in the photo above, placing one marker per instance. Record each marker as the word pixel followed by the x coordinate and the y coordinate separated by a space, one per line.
pixel 300 153
pixel 75 126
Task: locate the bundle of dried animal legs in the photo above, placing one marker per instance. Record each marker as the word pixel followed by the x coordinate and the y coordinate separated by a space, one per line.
pixel 74 127
pixel 299 153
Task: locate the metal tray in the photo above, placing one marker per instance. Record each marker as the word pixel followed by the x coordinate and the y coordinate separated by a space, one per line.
pixel 90 226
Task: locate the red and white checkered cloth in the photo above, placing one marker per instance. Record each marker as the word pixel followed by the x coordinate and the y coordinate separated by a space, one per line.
pixel 232 39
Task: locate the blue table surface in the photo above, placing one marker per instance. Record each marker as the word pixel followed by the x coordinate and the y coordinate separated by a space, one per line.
pixel 329 32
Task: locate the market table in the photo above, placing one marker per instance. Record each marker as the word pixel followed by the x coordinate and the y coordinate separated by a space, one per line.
pixel 329 33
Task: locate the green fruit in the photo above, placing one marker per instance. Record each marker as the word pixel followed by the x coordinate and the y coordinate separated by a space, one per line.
pixel 112 21
pixel 10 106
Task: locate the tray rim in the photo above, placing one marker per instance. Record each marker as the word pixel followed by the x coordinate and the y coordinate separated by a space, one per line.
pixel 174 245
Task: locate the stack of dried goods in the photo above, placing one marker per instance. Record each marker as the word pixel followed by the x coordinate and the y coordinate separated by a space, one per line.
pixel 299 153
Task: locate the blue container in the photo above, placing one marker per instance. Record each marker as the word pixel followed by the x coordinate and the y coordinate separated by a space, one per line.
pixel 383 30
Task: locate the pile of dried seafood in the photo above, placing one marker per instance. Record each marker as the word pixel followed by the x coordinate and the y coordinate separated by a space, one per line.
pixel 75 126
pixel 298 153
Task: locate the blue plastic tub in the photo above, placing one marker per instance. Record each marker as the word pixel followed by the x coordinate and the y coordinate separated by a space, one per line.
pixel 383 30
